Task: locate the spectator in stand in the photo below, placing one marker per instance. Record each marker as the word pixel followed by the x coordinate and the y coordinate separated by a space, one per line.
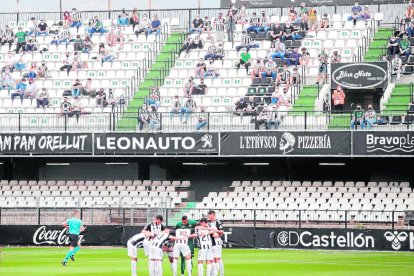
pixel 325 22
pixel 197 25
pixel 312 19
pixel 32 25
pixel 67 19
pixel 396 65
pixel 405 47
pixel 294 58
pixel 65 107
pixel 218 25
pixel 20 90
pixel 358 117
pixel 201 88
pixel 200 69
pixel 20 65
pixel 154 120
pixel 261 118
pixel 134 19
pixel 87 89
pixel 305 57
pixel 32 74
pixel 208 27
pixel 212 53
pixel 155 26
pixel 63 37
pixel 76 108
pixel 154 98
pixel 393 46
pixel 303 15
pixel 282 106
pixel 143 117
pixel 101 98
pixel 295 77
pixel 356 12
pixel 338 98
pixel 189 107
pixel 410 30
pixel 42 99
pixel 67 62
pixel 87 45
pixel 105 55
pixel 42 71
pixel 7 81
pixel 31 45
pixel 21 38
pixel 246 42
pixel 77 43
pixel 276 32
pixel 211 71
pixel 76 19
pixel 189 87
pixel 409 14
pixel 76 62
pixel 112 99
pixel 42 28
pixel 283 78
pixel 143 26
pixel 272 118
pixel 230 28
pixel 244 60
pixel 370 117
pixel 257 69
pixel 97 27
pixel 270 70
pixel 264 23
pixel 197 42
pixel 323 66
pixel 242 16
pixel 123 18
pixel 187 45
pixel 293 15
pixel 76 88
pixel 278 50
pixel 336 57
pixel 288 32
pixel 366 14
pixel 202 119
pixel 254 24
pixel 241 105
pixel 251 107
pixel 176 108
pixel 7 37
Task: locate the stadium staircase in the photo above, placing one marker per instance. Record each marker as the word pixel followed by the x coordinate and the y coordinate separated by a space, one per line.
pixel 378 45
pixel 163 63
pixel 306 99
pixel 400 98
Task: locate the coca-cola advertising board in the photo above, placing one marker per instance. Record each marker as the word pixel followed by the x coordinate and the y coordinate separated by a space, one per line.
pixel 52 235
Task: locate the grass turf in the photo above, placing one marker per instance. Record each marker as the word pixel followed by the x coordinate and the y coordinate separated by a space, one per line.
pixel 237 262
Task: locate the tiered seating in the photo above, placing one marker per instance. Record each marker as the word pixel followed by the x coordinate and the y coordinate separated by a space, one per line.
pixel 73 194
pixel 317 201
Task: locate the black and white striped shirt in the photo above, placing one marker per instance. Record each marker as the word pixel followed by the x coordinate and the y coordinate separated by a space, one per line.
pixel 137 240
pixel 254 21
pixel 218 226
pixel 219 24
pixel 160 239
pixel 154 228
pixel 204 239
pixel 245 40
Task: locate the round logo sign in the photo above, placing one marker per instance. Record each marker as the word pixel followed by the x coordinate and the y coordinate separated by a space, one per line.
pixel 283 238
pixel 358 75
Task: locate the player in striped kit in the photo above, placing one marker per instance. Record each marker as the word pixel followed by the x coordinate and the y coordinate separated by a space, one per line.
pixel 150 231
pixel 181 246
pixel 216 225
pixel 133 244
pixel 205 244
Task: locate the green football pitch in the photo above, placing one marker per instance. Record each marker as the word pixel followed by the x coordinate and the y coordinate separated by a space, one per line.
pixel 238 262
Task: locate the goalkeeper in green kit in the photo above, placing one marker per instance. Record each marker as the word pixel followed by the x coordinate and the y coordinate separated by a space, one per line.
pixel 190 225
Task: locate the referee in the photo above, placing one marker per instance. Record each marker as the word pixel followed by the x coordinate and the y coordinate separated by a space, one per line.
pixel 75 226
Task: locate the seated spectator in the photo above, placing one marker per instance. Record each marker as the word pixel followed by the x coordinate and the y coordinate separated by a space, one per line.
pixel 336 57
pixel 242 15
pixel 76 108
pixel 189 107
pixel 154 120
pixel 293 15
pixel 303 16
pixel 20 65
pixel 393 46
pixel 111 99
pixel 123 18
pixel 42 71
pixel 295 77
pixel 323 66
pixel 254 24
pixel 294 58
pixel 324 22
pixel 251 107
pixel 370 117
pixel 176 108
pixel 358 117
pixel 143 26
pixel 42 28
pixel 97 27
pixel 87 45
pixel 241 105
pixel 105 55
pixel 189 87
pixel 356 12
pixel 246 42
pixel 410 30
pixel 143 117
pixel 282 106
pixel 197 42
pixel 201 88
pixel 155 26
pixel 42 99
pixel 76 19
pixel 366 14
pixel 134 19
pixel 67 62
pixel 338 98
pixel 32 74
pixel 101 98
pixel 305 57
pixel 116 36
pixel 87 89
pixel 21 38
pixel 76 62
pixel 212 53
pixel 312 19
pixel 274 98
pixel 276 32
pixel 65 107
pixel 264 23
pixel 7 37
pixel 257 68
pixel 187 45
pixel 62 38
pixel 67 19
pixel 7 80
pixel 278 50
pixel 270 70
pixel 31 45
pixel 283 78
pixel 220 51
pixel 396 66
pixel 76 88
pixel 208 27
pixel 200 69
pixel 289 32
pixel 77 43
pixel 154 98
pixel 91 23
pixel 211 71
pixel 32 25
pixel 405 47
pixel 20 90
pixel 202 119
pixel 244 60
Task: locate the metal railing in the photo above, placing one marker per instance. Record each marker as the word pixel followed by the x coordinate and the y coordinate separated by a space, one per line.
pixel 182 121
pixel 348 219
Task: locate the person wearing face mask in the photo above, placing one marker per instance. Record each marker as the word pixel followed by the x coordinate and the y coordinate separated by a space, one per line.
pixel 208 26
pixel 284 77
pixel 336 57
pixel 370 117
pixel 242 16
pixel 324 22
pixel 257 69
pixel 358 117
pixel 410 30
pixel 197 25
pixel 396 65
pixel 230 28
pixel 143 26
pixel 155 26
pixel 355 13
pixel 305 57
pixel 393 46
pixel 123 18
pixel 188 87
pixel 211 52
pixel 288 32
pixel 218 25
pixel 211 71
pixel 188 43
pixel 176 108
pixel 366 14
pixel 323 66
pixel 264 23
pixel 7 37
pixel 338 98
pixel 254 24
pixel 20 90
pixel 405 47
pixel 293 15
pixel 244 60
pixel 294 58
pixel 279 50
pixel 276 32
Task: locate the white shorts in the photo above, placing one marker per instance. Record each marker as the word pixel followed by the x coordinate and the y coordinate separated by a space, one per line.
pixel 217 249
pixel 205 255
pixel 155 253
pixel 132 250
pixel 146 245
pixel 181 248
pixel 170 254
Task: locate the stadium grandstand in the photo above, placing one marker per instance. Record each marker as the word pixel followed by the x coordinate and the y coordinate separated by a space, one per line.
pixel 258 123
